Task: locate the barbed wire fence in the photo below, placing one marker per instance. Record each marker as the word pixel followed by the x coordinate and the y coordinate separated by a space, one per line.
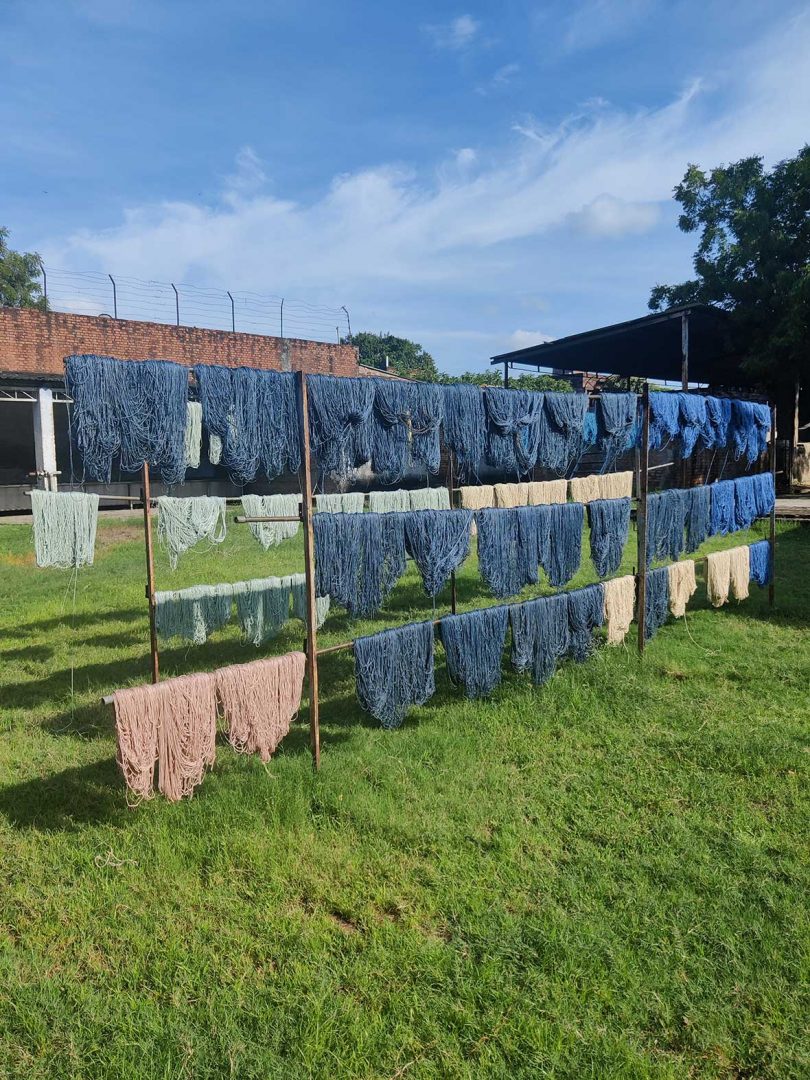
pixel 181 304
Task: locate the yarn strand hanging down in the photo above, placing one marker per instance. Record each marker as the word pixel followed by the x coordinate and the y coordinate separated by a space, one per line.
pixel 182 523
pixel 610 525
pixel 358 558
pixel 473 643
pixel 439 542
pixel 64 525
pixel 394 670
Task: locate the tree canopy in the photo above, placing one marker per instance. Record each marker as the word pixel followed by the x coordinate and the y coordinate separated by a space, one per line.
pixel 752 259
pixel 20 284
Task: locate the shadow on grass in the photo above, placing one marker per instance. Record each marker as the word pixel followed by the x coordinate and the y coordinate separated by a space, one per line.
pixel 67 800
pixel 74 621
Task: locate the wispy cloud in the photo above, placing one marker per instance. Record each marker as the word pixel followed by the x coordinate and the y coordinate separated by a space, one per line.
pixel 597 22
pixel 502 77
pixel 456 35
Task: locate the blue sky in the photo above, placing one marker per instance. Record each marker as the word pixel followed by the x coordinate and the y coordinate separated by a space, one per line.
pixel 474 177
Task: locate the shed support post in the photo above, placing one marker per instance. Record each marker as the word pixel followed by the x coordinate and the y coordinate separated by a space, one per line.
pixel 685 350
pixel 44 440
pixel 506 374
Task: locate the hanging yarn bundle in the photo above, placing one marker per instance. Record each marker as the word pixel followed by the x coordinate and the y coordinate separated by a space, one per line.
pixel 543 492
pixel 193 440
pixel 693 421
pixel 698 509
pixel 718 418
pixel 620 602
pixel 427 414
pixel 254 413
pixel 262 608
pixel 615 485
pixel 297 584
pixel 464 427
pixel 387 502
pixel 610 524
pixel 540 635
pixel 514 420
pixel 340 421
pixel 182 523
pixel 394 670
pixel 271 533
pixel 511 546
pixel 586 611
pixel 438 541
pixel 728 571
pixel 682 586
pixel 389 436
pixel 358 558
pixel 194 613
pixel 135 408
pixel 564 552
pixel 665 411
pixel 561 431
pixel 722 507
pixel 615 421
pixel 657 601
pixel 214 449
pixel 260 700
pixel 748 429
pixel 346 502
pixel 64 528
pixel 510 495
pixel 666 521
pixel 437 498
pixel 590 430
pixel 745 502
pixel 473 643
pixel 764 493
pixel 585 489
pixel 759 556
pixel 478 498
pixel 171 723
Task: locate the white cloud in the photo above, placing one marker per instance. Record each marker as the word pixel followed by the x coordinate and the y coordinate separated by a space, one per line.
pixel 595 22
pixel 502 77
pixel 456 35
pixel 402 247
pixel 608 216
pixel 523 339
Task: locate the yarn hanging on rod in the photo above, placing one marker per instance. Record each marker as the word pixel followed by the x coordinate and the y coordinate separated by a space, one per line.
pixel 614 485
pixel 473 643
pixel 478 498
pixel 697 516
pixel 666 522
pixel 540 635
pixel 260 700
pixel 428 498
pixel 194 613
pixel 272 533
pixel 388 502
pixel 615 422
pixel 609 521
pixel 439 542
pixel 693 421
pixel 620 601
pixel 64 528
pixel 393 400
pixel 193 439
pixel 358 558
pixel 511 546
pixel 182 523
pixel 508 496
pixel 394 671
pixel 561 432
pixel 514 421
pixel 764 493
pixel 543 492
pixel 135 408
pixel 722 507
pixel 728 571
pixel 298 587
pixel 748 429
pixel 682 586
pixel 665 412
pixel 586 611
pixel 262 608
pixel 346 502
pixel 759 555
pixel 254 413
pixel 427 414
pixel 718 418
pixel 563 554
pixel 657 601
pixel 745 502
pixel 340 421
pixel 214 449
pixel 464 428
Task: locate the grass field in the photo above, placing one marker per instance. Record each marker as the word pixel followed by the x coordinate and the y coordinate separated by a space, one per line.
pixel 605 877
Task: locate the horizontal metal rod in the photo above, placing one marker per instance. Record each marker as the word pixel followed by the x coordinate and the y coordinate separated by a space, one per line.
pixel 240 520
pixel 350 644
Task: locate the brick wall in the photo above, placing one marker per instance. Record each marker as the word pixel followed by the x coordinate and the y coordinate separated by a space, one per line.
pixel 36 343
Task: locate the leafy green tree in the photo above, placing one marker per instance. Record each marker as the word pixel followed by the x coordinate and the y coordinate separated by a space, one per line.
pixel 752 259
pixel 403 356
pixel 20 284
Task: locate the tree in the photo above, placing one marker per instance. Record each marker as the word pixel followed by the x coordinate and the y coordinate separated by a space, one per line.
pixel 753 258
pixel 20 284
pixel 404 357
pixel 494 377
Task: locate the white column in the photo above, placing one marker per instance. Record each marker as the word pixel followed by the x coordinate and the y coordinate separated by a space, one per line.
pixel 44 440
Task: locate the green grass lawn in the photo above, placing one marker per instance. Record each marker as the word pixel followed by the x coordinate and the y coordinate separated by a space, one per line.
pixel 604 877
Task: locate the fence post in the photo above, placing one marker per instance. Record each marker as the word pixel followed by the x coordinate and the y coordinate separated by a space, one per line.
pixel 115 296
pixel 176 302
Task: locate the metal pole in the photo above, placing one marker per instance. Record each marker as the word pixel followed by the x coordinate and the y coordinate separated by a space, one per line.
pixel 176 302
pixel 771 583
pixel 44 282
pixel 233 315
pixel 115 296
pixel 281 316
pixel 685 350
pixel 506 374
pixel 451 486
pixel 146 495
pixel 348 321
pixel 641 516
pixel 309 567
